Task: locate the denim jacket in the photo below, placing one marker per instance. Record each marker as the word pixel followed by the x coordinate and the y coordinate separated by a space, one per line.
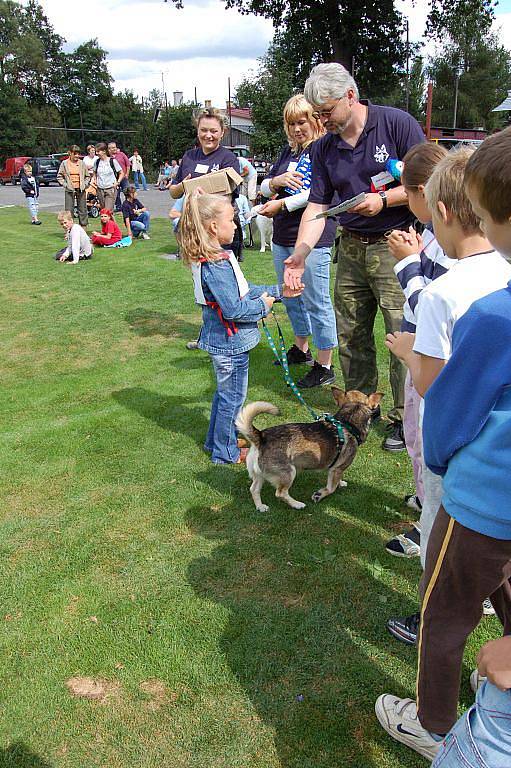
pixel 219 285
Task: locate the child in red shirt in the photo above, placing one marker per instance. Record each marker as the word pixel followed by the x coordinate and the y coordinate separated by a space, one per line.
pixel 110 232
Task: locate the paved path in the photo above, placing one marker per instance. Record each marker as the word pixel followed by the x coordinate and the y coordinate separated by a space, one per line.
pixel 52 199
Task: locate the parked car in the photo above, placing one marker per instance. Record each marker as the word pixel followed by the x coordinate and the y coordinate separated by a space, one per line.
pixel 10 173
pixel 45 170
pixel 261 166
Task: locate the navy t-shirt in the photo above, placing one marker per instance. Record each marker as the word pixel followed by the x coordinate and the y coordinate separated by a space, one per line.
pixel 340 168
pixel 286 224
pixel 197 163
pixel 130 209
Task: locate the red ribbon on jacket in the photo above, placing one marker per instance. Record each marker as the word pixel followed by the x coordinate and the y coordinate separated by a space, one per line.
pixel 229 325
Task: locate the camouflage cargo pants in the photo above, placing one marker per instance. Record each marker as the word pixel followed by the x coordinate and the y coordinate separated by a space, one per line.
pixel 365 280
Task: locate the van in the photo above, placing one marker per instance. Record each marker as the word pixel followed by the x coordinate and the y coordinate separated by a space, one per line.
pixel 45 170
pixel 10 173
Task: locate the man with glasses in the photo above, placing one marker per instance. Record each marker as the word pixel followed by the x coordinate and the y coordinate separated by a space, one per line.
pixel 349 160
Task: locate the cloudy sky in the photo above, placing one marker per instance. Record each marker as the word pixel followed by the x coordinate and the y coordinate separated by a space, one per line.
pixel 199 46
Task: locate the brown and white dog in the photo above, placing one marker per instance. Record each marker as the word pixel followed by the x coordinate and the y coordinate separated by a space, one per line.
pixel 276 454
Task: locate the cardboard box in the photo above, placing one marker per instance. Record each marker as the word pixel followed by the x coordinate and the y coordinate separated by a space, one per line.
pixel 222 182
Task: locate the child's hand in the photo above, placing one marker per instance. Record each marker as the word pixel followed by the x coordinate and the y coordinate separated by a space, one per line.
pixel 291 293
pixel 268 300
pixel 402 244
pixel 400 344
pixel 494 662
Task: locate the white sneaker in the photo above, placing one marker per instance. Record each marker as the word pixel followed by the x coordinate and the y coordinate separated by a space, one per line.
pixel 488 609
pixel 399 718
pixel 145 236
pixel 476 680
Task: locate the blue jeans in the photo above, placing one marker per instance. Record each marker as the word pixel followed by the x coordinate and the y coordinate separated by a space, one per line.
pixel 140 224
pixel 33 206
pixel 139 178
pixel 482 736
pixel 231 373
pixel 312 312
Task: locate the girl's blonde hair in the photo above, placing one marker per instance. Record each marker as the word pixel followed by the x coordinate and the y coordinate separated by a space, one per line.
pixel 64 216
pixel 195 241
pixel 296 108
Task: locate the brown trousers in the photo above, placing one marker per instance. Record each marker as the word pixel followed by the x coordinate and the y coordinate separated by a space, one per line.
pixel 463 568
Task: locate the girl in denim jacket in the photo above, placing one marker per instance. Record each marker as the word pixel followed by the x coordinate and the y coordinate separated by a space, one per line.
pixel 231 309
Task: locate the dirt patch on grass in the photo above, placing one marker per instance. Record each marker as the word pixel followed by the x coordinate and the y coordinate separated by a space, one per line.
pixel 93 689
pixel 157 694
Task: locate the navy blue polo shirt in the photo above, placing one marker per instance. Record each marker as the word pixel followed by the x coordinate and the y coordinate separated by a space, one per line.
pixel 337 167
pixel 197 163
pixel 285 224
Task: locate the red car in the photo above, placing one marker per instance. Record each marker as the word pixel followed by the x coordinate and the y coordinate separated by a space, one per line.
pixel 10 173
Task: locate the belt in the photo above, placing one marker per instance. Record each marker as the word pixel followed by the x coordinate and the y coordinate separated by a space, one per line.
pixel 365 239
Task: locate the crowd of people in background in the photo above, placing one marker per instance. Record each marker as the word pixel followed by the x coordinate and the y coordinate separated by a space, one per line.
pixel 430 251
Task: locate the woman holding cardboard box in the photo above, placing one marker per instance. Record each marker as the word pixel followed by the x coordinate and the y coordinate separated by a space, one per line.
pixel 209 156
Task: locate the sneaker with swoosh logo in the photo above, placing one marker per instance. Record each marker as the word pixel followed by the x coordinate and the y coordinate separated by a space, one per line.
pixel 399 718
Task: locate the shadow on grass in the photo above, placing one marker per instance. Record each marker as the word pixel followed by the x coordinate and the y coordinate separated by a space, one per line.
pixel 148 322
pixel 18 756
pixel 177 414
pixel 306 632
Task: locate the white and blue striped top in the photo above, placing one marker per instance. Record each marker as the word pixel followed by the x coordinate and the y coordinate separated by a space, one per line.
pixel 418 270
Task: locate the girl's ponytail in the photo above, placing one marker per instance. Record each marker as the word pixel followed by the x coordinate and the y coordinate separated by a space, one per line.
pixel 195 242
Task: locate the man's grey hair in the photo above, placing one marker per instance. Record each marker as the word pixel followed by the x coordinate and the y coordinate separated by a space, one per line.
pixel 328 81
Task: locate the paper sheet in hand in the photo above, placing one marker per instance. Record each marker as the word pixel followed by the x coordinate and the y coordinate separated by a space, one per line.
pixel 342 207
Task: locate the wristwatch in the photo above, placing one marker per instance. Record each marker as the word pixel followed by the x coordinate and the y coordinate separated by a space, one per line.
pixel 383 196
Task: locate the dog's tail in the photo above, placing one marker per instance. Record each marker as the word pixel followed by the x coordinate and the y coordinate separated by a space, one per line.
pixel 247 415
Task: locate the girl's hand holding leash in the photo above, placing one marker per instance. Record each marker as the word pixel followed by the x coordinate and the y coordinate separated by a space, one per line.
pixel 268 300
pixel 402 244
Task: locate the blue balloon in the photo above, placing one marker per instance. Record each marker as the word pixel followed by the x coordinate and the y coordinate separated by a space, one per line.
pixel 395 168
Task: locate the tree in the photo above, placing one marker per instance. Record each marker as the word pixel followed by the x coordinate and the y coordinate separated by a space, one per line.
pixel 461 24
pixel 368 33
pixel 16 137
pixel 416 94
pixel 481 85
pixel 266 93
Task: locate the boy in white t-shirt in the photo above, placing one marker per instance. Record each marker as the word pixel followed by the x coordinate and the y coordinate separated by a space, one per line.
pixel 479 270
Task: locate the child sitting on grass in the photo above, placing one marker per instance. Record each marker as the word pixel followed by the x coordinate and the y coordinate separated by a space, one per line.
pixel 110 232
pixel 136 217
pixel 79 244
pixel 231 309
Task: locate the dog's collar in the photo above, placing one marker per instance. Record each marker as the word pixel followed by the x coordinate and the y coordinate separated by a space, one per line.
pixel 340 426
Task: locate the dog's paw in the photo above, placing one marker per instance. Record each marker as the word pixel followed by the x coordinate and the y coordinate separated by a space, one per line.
pixel 299 505
pixel 263 508
pixel 317 496
pixel 342 484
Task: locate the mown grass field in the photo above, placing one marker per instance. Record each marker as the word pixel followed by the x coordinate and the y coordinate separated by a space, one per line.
pixel 224 638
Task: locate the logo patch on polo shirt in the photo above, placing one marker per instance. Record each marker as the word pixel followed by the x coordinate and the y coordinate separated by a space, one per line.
pixel 381 155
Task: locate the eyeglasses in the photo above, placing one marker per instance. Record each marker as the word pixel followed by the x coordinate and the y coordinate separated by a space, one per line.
pixel 325 113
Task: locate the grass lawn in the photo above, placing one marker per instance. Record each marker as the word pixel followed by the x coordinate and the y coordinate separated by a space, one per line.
pixel 223 638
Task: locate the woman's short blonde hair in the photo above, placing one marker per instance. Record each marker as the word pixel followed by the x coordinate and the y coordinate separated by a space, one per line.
pixel 195 241
pixel 209 112
pixel 296 108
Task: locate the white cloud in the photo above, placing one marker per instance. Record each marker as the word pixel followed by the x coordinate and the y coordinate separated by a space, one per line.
pixel 199 46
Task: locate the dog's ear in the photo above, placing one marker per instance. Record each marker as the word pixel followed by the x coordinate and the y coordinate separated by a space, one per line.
pixel 375 399
pixel 339 395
